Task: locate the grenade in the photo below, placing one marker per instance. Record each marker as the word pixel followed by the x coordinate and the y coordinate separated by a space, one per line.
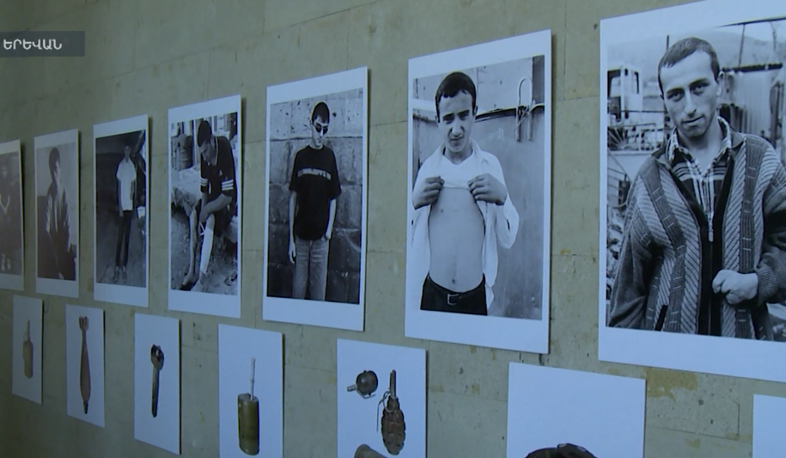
pixel 562 451
pixel 366 384
pixel 27 353
pixel 393 426
pixel 364 451
pixel 248 418
pixel 84 369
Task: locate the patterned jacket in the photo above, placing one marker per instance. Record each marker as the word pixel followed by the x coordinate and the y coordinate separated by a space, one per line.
pixel 669 258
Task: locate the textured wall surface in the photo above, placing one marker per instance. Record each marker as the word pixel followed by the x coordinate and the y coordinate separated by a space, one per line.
pixel 144 56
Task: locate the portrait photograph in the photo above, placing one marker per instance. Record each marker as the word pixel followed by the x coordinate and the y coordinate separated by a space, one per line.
pixel 693 189
pixel 768 425
pixel 57 213
pixel 12 237
pixel 120 184
pixel 478 195
pixel 205 197
pixel 250 392
pixel 316 201
pixel 157 381
pixel 85 363
pixel 381 398
pixel 576 414
pixel 27 355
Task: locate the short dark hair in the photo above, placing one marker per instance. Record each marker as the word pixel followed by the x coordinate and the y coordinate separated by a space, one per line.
pixel 453 84
pixel 684 48
pixel 321 110
pixel 204 132
pixel 54 156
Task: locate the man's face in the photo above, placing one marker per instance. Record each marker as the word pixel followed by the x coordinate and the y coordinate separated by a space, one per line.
pixel 456 118
pixel 207 151
pixel 319 128
pixel 55 172
pixel 690 94
pixel 127 152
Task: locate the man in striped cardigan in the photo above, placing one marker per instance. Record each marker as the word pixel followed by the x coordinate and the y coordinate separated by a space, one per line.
pixel 704 246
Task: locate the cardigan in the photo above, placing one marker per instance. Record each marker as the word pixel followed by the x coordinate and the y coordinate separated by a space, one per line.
pixel 671 252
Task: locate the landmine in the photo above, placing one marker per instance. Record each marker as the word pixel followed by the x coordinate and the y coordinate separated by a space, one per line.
pixel 248 418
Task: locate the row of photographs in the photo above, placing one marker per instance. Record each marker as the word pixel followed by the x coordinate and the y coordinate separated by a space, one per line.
pixel 381 393
pixel 478 196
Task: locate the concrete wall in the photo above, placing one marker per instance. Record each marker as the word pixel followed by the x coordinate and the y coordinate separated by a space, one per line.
pixel 145 56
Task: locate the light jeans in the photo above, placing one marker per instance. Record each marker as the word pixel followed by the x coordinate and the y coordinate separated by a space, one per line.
pixel 310 268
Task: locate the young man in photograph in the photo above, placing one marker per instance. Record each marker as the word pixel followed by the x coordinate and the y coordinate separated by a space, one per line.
pixel 61 255
pixel 125 175
pixel 314 187
pixel 215 209
pixel 462 209
pixel 705 233
pixel 9 224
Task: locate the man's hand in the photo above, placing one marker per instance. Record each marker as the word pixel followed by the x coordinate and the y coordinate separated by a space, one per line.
pixel 736 286
pixel 291 251
pixel 428 192
pixel 488 189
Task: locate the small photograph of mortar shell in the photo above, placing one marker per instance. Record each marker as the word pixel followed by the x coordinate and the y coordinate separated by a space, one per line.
pixel 393 426
pixel 157 359
pixel 27 353
pixel 364 451
pixel 84 366
pixel 248 418
pixel 366 384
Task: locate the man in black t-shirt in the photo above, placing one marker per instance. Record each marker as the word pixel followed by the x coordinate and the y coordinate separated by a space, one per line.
pixel 219 193
pixel 314 187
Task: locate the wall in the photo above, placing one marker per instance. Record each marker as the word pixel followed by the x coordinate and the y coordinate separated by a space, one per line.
pixel 145 56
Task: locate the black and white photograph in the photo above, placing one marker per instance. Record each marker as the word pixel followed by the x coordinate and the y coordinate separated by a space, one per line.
pixel 57 213
pixel 27 349
pixel 573 414
pixel 381 400
pixel 121 170
pixel 205 165
pixel 478 195
pixel 693 274
pixel 11 217
pixel 85 363
pixel 157 381
pixel 316 200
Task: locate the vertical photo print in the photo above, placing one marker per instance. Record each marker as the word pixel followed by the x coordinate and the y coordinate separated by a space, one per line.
pixel 381 397
pixel 85 363
pixel 478 196
pixel 120 178
pixel 693 274
pixel 11 217
pixel 768 425
pixel 316 200
pixel 205 170
pixel 57 213
pixel 157 381
pixel 26 357
pixel 251 393
pixel 566 413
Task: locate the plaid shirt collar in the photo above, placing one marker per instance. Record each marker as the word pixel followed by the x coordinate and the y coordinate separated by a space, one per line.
pixel 674 143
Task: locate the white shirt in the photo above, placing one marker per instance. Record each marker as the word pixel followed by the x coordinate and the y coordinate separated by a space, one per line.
pixel 126 177
pixel 501 222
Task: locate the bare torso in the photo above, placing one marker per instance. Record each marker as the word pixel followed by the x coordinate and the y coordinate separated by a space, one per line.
pixel 456 230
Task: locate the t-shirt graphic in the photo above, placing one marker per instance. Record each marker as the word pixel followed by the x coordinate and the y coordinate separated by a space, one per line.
pixel 219 178
pixel 315 180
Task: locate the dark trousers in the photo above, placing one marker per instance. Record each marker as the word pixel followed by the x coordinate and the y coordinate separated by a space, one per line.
pixel 123 235
pixel 438 299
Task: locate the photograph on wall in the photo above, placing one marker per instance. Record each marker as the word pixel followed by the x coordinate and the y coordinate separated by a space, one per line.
pixel 12 238
pixel 381 398
pixel 157 381
pixel 57 213
pixel 768 425
pixel 573 414
pixel 316 200
pixel 250 393
pixel 85 363
pixel 205 190
pixel 120 184
pixel 26 348
pixel 478 195
pixel 694 189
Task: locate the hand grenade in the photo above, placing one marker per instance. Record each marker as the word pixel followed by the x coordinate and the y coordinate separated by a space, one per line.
pixel 366 384
pixel 364 451
pixel 393 426
pixel 248 418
